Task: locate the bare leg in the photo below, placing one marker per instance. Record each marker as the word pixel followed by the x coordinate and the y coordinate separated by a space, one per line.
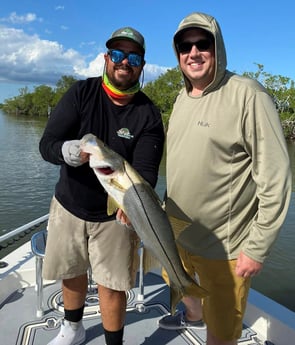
pixel 193 308
pixel 74 292
pixel 113 308
pixel 211 340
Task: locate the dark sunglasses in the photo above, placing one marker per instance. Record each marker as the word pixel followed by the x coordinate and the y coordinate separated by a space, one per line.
pixel 117 56
pixel 186 47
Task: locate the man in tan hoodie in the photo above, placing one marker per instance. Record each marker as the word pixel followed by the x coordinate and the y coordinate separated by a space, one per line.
pixel 228 175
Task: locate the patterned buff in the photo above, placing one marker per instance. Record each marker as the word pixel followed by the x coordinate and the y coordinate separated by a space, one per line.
pixel 114 92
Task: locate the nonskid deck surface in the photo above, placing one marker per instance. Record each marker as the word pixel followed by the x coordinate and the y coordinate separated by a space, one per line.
pixel 20 326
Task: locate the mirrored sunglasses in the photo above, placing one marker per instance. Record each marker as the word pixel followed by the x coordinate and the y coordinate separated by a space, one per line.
pixel 186 47
pixel 117 56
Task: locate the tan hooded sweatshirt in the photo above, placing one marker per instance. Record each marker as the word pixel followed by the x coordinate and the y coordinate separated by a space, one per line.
pixel 228 171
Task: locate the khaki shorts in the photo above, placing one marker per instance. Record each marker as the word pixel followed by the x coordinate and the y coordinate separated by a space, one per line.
pixel 224 308
pixel 73 245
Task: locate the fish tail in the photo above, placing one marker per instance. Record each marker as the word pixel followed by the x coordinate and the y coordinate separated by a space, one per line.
pixel 194 290
pixel 175 297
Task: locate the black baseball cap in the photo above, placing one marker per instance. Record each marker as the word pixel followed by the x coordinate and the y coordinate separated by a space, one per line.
pixel 127 33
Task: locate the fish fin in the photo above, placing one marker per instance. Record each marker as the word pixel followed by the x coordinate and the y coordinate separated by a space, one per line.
pixel 176 295
pixel 117 185
pixel 149 261
pixel 178 225
pixel 112 206
pixel 194 289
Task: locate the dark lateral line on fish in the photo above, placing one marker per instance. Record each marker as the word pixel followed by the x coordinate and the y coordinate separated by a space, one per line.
pixel 152 225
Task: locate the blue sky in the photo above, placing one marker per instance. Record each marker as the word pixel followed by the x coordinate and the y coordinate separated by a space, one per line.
pixel 42 40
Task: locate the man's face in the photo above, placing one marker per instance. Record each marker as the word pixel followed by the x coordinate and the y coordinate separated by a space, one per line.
pixel 122 75
pixel 197 64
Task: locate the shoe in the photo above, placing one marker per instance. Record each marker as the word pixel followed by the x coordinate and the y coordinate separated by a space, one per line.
pixel 178 321
pixel 71 333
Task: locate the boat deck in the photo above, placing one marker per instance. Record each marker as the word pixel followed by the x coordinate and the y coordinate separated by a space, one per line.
pixel 20 326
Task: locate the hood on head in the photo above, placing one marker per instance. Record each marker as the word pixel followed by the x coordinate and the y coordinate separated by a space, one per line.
pixel 208 23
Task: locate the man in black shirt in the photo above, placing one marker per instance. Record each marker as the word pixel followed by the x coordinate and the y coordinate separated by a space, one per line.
pixel 80 233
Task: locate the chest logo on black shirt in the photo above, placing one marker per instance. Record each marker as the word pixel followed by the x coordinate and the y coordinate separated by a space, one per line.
pixel 124 133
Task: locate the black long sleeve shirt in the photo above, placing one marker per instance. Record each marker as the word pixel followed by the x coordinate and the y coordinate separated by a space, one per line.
pixel 135 131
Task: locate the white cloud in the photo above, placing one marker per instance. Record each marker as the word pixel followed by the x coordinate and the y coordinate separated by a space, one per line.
pixel 152 72
pixel 85 44
pixel 59 8
pixel 29 59
pixel 21 19
pixel 94 68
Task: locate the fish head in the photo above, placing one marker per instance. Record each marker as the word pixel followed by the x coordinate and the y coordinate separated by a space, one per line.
pixel 105 162
pixel 110 169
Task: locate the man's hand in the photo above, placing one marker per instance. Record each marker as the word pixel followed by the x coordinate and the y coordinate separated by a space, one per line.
pixel 247 267
pixel 122 218
pixel 72 154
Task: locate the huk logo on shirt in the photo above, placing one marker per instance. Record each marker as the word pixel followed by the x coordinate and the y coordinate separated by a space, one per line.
pixel 203 124
pixel 124 133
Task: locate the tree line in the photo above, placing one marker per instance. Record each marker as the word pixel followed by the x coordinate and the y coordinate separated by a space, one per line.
pixel 40 101
pixel 162 91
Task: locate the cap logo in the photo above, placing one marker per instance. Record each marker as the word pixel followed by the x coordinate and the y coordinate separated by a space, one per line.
pixel 127 32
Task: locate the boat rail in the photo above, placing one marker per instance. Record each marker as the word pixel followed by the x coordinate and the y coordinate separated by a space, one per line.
pixel 24 228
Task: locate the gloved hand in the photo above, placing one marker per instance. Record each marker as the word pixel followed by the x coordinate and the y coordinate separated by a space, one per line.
pixel 71 153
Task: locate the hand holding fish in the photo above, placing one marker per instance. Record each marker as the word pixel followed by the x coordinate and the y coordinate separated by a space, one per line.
pixel 72 153
pixel 122 218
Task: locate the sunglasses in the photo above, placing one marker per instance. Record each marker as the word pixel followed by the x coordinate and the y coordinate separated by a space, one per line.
pixel 117 56
pixel 202 45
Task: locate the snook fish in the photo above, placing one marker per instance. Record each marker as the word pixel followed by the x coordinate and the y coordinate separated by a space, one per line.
pixel 129 191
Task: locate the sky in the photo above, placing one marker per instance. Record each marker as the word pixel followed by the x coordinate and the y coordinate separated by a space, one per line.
pixel 40 41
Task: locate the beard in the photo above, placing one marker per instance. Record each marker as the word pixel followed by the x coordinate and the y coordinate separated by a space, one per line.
pixel 122 77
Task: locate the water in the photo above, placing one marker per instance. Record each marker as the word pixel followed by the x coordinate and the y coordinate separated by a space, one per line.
pixel 27 181
pixel 27 185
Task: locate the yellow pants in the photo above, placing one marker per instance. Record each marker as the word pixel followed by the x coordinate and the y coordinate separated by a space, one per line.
pixel 224 308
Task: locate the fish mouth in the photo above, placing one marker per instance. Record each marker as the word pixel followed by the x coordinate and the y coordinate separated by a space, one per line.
pixel 100 166
pixel 105 170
